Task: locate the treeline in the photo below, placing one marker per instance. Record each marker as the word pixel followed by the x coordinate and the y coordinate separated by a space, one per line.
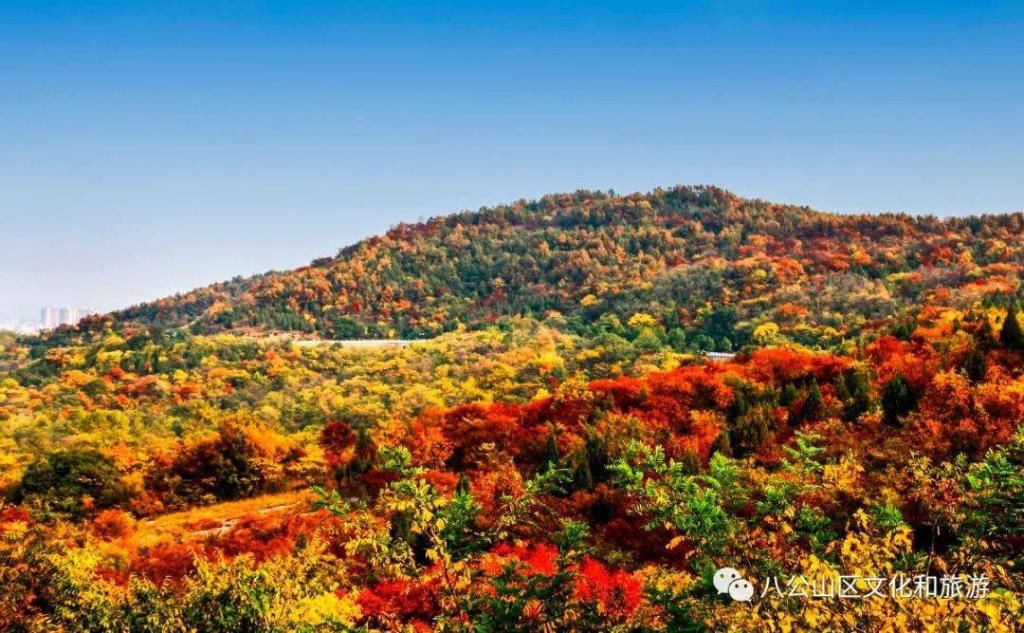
pixel 697 258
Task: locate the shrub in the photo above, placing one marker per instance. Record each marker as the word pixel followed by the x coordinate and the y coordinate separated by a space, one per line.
pixel 73 482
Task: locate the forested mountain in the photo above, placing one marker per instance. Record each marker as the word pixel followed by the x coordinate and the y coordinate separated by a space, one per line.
pixel 554 457
pixel 699 259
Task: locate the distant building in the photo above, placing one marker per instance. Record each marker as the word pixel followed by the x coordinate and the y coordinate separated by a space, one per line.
pixel 49 317
pixel 52 316
pixel 68 316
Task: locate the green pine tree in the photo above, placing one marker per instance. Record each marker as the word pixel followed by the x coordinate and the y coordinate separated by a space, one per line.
pixel 583 478
pixel 856 393
pixel 897 400
pixel 814 404
pixel 1011 336
pixel 551 450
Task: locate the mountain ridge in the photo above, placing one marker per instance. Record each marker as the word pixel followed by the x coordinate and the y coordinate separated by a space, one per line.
pixel 686 246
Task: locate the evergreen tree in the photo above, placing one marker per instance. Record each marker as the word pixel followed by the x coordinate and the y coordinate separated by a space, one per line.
pixel 789 396
pixel 722 445
pixel 975 365
pixel 984 337
pixel 814 404
pixel 597 458
pixel 855 393
pixel 582 477
pixel 1011 336
pixel 463 486
pixel 551 451
pixel 897 400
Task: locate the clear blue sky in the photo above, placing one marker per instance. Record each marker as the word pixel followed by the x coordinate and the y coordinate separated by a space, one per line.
pixel 150 147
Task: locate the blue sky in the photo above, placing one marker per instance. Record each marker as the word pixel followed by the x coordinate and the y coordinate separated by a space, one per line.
pixel 147 148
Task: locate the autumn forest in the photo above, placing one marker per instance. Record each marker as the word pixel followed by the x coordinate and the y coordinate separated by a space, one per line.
pixel 562 414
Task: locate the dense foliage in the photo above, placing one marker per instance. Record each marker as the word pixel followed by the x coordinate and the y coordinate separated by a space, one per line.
pixel 560 457
pixel 715 270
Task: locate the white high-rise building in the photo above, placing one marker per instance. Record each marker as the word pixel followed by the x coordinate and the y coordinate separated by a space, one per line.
pixel 51 316
pixel 68 315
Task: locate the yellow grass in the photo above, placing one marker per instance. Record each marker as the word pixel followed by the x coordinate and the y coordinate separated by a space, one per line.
pixel 209 520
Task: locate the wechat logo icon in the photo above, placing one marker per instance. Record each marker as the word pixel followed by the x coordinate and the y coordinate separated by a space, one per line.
pixel 728 580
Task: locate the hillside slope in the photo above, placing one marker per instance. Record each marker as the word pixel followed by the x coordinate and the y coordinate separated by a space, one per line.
pixel 699 259
pixel 572 471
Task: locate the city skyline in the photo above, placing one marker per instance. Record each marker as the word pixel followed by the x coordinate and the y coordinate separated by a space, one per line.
pixel 46 317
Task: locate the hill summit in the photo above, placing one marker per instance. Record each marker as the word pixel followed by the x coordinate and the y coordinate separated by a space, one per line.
pixel 699 259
